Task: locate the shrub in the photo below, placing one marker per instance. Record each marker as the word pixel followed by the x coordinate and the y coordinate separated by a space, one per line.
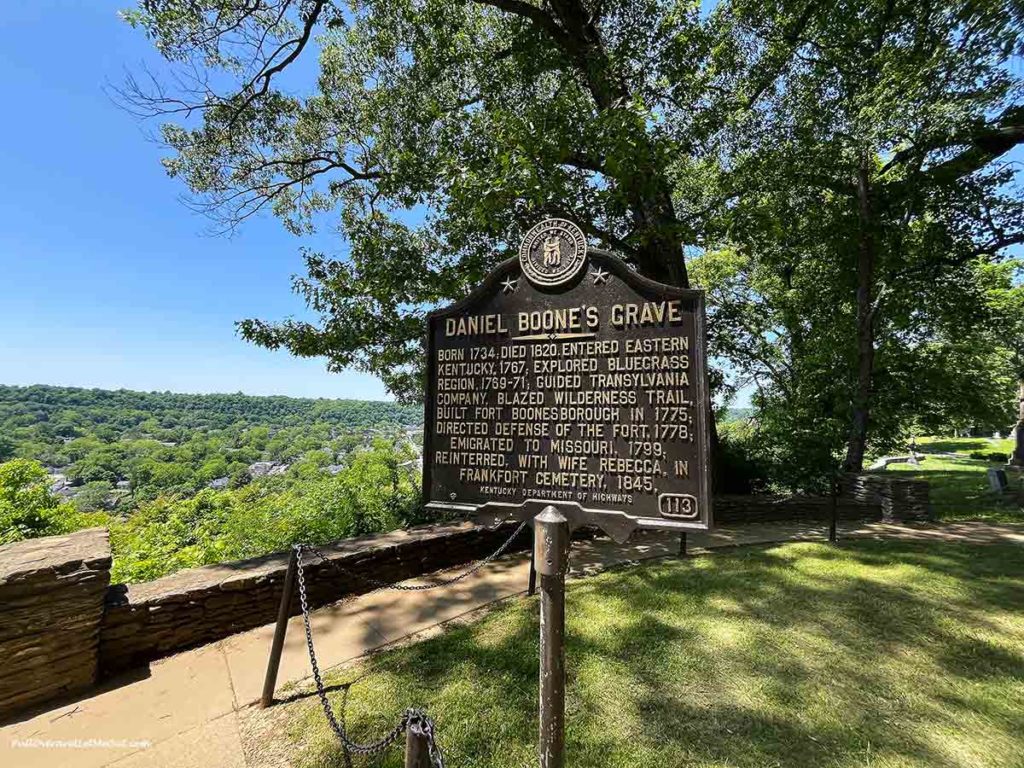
pixel 28 509
pixel 375 492
pixel 994 457
pixel 738 467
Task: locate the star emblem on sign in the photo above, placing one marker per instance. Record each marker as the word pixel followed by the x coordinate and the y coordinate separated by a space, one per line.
pixel 509 285
pixel 599 275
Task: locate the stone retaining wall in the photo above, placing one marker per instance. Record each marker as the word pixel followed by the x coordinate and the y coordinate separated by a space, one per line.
pixel 145 621
pixel 733 510
pixel 900 499
pixel 863 496
pixel 51 606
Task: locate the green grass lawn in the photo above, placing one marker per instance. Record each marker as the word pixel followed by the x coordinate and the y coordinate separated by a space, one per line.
pixel 959 485
pixel 873 653
pixel 1003 446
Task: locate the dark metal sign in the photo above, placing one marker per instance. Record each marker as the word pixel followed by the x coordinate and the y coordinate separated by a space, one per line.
pixel 568 379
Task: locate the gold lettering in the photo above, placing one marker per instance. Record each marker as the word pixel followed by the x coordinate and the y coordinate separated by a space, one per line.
pixel 647 314
pixel 475 325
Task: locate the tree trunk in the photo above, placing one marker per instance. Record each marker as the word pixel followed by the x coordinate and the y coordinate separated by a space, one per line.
pixel 660 251
pixel 660 257
pixel 1017 457
pixel 857 440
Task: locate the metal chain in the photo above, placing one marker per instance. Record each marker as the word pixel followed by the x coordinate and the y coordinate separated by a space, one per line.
pixel 371 748
pixel 344 725
pixel 382 585
pixel 411 718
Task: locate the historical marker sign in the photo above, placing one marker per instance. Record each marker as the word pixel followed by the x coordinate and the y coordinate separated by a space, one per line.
pixel 568 378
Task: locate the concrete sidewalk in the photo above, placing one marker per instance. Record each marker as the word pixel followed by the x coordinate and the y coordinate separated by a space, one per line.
pixel 181 712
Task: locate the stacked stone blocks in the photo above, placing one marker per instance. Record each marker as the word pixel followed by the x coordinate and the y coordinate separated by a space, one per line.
pixel 52 593
pixel 143 622
pixel 900 499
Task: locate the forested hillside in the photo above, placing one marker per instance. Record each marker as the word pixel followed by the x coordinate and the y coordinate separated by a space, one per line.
pixel 184 480
pixel 68 411
pixel 162 442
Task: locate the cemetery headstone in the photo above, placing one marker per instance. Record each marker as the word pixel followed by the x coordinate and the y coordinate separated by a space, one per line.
pixel 1017 457
pixel 997 481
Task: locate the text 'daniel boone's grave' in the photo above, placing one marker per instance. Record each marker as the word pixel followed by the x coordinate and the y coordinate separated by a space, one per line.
pixel 566 377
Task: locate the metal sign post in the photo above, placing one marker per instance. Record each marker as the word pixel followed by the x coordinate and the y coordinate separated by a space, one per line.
pixel 551 552
pixel 531 587
pixel 565 391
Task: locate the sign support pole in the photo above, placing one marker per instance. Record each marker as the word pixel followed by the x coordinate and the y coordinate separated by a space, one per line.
pixel 560 300
pixel 551 550
pixel 531 588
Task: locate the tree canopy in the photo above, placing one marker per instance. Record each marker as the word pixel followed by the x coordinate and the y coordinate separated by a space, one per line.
pixel 174 476
pixel 838 166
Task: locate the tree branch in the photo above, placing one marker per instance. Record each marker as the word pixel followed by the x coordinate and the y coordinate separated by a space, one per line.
pixel 985 143
pixel 573 29
pixel 793 39
pixel 266 73
pixel 998 244
pixel 537 15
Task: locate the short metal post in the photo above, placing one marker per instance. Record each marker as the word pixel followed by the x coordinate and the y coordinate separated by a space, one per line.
pixel 531 588
pixel 833 522
pixel 417 747
pixel 551 550
pixel 283 612
pixel 682 544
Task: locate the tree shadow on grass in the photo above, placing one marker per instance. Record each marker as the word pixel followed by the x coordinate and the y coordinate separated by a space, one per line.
pixel 801 655
pixel 957 445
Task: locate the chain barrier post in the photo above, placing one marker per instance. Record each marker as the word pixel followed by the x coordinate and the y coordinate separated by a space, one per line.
pixel 421 747
pixel 834 505
pixel 551 549
pixel 417 746
pixel 417 725
pixel 283 611
pixel 531 588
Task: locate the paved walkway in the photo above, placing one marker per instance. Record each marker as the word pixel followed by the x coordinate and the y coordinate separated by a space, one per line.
pixel 182 712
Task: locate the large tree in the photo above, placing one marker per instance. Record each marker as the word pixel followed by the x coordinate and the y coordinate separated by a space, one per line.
pixel 437 131
pixel 1007 302
pixel 871 191
pixel 847 146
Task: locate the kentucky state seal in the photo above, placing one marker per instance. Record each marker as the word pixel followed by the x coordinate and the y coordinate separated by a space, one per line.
pixel 553 252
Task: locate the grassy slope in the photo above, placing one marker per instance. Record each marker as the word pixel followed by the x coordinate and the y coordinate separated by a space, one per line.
pixel 877 653
pixel 959 485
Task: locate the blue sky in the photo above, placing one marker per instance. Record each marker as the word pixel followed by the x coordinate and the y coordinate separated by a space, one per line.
pixel 106 279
